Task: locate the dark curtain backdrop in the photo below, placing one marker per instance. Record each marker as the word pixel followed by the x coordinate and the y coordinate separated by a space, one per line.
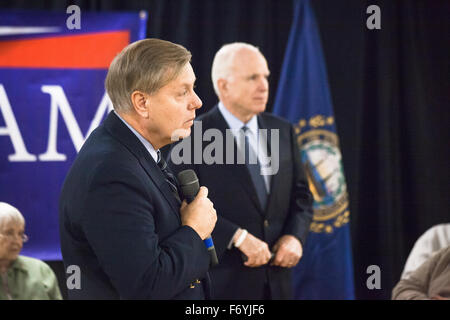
pixel 390 91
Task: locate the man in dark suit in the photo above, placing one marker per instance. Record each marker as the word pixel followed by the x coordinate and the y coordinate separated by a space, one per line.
pixel 120 216
pixel 264 212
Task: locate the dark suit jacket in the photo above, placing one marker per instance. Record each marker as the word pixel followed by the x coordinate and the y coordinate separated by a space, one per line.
pixel 288 211
pixel 120 223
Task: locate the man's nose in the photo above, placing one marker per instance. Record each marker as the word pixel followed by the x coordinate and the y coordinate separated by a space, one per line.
pixel 196 102
pixel 263 84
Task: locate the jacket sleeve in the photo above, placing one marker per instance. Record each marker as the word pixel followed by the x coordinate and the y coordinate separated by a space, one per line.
pixel 119 224
pixel 301 212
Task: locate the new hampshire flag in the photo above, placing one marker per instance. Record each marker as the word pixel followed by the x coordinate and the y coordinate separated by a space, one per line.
pixel 303 97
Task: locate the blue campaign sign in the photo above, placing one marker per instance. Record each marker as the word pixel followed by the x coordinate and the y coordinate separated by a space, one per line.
pixel 51 98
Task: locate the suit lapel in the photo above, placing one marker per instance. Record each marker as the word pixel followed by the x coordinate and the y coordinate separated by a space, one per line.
pixel 121 132
pixel 158 178
pixel 239 172
pixel 275 179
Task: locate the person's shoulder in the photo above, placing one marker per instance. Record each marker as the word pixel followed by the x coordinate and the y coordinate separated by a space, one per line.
pixel 101 141
pixel 436 228
pixel 103 162
pixel 101 149
pixel 441 230
pixel 436 237
pixel 275 120
pixel 30 263
pixel 210 114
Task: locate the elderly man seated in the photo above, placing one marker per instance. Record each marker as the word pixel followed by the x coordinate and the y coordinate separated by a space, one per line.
pixel 21 278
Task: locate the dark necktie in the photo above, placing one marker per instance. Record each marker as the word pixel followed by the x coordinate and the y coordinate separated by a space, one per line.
pixel 254 169
pixel 170 178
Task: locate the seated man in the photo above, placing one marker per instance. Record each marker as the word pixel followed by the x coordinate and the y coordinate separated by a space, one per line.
pixel 433 240
pixel 430 281
pixel 21 278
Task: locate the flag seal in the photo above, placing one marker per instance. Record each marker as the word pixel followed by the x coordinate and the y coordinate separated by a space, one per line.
pixel 322 162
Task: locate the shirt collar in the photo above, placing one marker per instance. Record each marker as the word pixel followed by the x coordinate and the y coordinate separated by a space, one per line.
pixel 236 124
pixel 154 153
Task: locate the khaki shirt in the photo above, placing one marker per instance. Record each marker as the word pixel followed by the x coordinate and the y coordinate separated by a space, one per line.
pixel 29 279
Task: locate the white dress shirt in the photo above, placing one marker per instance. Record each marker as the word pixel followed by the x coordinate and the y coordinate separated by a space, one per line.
pixel 154 153
pixel 256 141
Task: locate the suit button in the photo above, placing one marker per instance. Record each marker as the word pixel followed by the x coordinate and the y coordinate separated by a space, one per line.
pixel 266 223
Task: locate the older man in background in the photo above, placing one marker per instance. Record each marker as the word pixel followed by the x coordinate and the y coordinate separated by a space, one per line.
pixel 264 211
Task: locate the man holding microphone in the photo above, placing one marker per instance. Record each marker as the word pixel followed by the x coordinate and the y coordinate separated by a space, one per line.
pixel 122 221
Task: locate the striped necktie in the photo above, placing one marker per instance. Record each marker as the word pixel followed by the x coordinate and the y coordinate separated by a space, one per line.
pixel 254 169
pixel 169 177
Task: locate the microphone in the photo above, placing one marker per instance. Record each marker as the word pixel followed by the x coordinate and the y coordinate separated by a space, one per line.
pixel 189 188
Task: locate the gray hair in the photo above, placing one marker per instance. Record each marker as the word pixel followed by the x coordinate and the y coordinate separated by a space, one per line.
pixel 146 65
pixel 223 60
pixel 9 214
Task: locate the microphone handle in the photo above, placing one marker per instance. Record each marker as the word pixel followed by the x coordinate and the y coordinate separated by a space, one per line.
pixel 211 250
pixel 189 198
pixel 208 241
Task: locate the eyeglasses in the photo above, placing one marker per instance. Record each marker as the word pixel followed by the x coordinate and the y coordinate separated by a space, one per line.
pixel 11 236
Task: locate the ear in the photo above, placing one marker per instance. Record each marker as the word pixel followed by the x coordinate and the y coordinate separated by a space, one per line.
pixel 222 85
pixel 140 103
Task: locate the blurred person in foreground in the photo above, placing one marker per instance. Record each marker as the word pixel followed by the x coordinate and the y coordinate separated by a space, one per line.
pixel 21 278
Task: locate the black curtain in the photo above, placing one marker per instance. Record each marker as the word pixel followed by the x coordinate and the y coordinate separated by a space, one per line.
pixel 390 92
pixel 391 97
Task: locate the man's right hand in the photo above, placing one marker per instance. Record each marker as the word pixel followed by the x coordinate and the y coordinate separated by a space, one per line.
pixel 200 214
pixel 256 250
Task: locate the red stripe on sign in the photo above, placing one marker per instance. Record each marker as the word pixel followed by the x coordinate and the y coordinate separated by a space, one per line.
pixel 91 51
